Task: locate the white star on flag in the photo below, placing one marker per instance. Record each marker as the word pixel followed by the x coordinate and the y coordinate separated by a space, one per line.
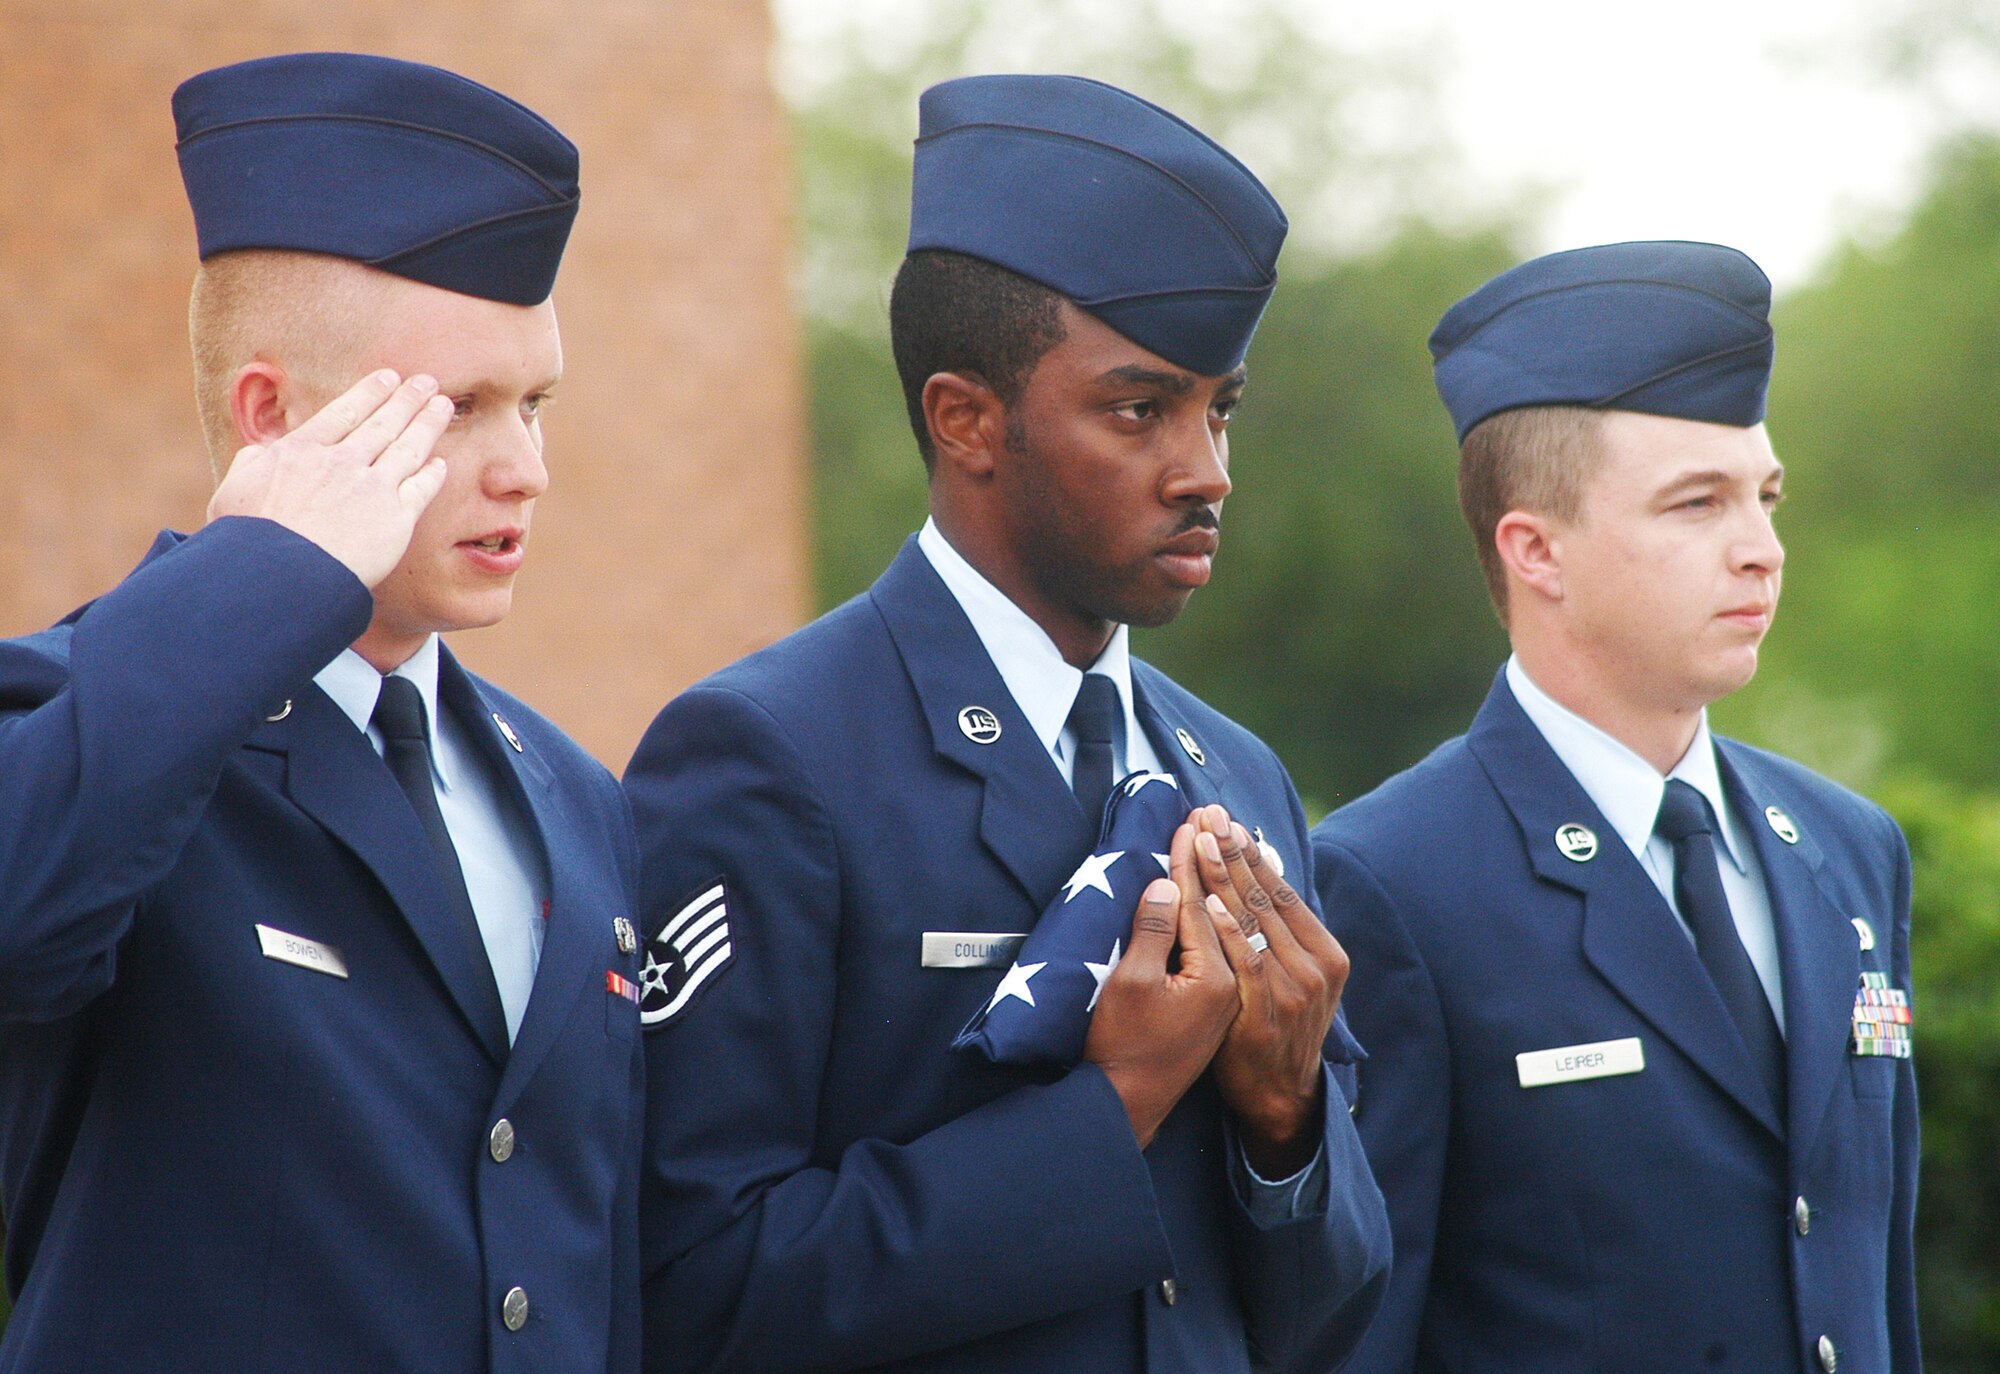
pixel 1139 780
pixel 1102 971
pixel 1166 864
pixel 1015 984
pixel 1091 873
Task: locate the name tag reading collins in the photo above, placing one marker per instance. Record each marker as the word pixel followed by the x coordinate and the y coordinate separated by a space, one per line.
pixel 1572 1063
pixel 296 949
pixel 971 948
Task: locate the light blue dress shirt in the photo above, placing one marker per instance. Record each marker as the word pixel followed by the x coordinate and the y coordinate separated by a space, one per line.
pixel 1044 686
pixel 498 849
pixel 1627 789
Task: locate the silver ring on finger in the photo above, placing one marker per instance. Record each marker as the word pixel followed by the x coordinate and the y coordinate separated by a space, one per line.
pixel 1259 941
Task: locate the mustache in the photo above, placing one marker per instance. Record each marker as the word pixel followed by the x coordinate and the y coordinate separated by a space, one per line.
pixel 1200 518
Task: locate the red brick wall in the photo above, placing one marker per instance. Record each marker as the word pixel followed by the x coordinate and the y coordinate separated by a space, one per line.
pixel 674 537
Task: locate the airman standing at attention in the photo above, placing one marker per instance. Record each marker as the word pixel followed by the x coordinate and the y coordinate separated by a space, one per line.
pixel 1636 997
pixel 848 836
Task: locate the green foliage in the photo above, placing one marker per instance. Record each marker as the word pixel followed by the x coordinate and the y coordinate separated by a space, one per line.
pixel 868 482
pixel 1882 408
pixel 1955 948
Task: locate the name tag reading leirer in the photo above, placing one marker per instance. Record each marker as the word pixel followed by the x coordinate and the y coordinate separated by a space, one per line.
pixel 971 948
pixel 296 949
pixel 1571 1063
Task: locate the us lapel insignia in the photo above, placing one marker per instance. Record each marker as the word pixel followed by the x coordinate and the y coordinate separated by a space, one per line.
pixel 1781 825
pixel 979 725
pixel 1578 843
pixel 1193 750
pixel 628 938
pixel 507 731
pixel 1270 854
pixel 280 713
pixel 1866 933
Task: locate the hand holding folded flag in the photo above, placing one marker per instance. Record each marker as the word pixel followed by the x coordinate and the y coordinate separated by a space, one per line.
pixel 1040 1013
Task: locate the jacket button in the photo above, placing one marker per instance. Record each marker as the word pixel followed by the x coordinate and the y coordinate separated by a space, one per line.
pixel 500 1141
pixel 514 1308
pixel 1170 1292
pixel 1801 1216
pixel 1829 1358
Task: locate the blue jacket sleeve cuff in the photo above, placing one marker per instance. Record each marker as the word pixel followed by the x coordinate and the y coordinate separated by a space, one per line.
pixel 1271 1203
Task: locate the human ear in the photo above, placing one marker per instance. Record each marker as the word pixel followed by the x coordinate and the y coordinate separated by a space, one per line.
pixel 1530 549
pixel 968 422
pixel 258 403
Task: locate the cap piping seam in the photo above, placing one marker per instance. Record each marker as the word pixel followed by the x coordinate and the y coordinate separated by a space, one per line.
pixel 1677 368
pixel 473 143
pixel 464 229
pixel 1723 301
pixel 1174 291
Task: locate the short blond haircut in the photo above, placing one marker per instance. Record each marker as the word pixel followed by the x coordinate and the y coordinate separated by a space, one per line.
pixel 1534 459
pixel 306 313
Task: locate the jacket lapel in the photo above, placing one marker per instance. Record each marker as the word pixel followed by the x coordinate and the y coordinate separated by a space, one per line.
pixel 570 939
pixel 1817 948
pixel 1029 819
pixel 1201 771
pixel 1630 936
pixel 334 775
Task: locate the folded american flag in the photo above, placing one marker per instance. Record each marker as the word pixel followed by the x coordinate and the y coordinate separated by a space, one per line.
pixel 1040 1013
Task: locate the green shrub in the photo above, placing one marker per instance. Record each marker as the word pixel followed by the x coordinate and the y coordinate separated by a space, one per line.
pixel 1955 952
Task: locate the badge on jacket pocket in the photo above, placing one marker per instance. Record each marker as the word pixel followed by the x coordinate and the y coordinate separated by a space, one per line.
pixel 296 949
pixel 1574 1063
pixel 971 948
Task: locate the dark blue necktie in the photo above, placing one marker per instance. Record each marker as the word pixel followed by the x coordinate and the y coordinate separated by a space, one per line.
pixel 1095 721
pixel 406 748
pixel 1687 822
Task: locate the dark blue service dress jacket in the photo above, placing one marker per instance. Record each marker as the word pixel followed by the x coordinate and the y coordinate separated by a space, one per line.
pixel 1665 1220
pixel 217 1160
pixel 829 1186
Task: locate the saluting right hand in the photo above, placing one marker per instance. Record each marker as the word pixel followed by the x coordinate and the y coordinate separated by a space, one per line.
pixel 354 478
pixel 1155 1030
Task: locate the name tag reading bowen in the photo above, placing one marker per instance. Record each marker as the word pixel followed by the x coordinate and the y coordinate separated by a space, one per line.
pixel 296 949
pixel 970 948
pixel 1572 1063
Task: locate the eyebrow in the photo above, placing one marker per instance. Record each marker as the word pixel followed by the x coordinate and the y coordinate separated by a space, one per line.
pixel 1712 477
pixel 1174 383
pixel 486 384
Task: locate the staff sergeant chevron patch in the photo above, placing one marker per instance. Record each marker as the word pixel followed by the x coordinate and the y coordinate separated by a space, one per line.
pixel 690 950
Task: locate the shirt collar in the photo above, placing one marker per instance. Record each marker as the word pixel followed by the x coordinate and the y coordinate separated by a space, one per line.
pixel 1625 787
pixel 1042 684
pixel 354 685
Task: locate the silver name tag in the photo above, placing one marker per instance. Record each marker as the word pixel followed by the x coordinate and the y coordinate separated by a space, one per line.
pixel 296 949
pixel 1571 1063
pixel 970 949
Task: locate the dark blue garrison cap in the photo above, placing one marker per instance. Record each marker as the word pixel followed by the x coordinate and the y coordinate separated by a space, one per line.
pixel 394 164
pixel 1668 328
pixel 1128 211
